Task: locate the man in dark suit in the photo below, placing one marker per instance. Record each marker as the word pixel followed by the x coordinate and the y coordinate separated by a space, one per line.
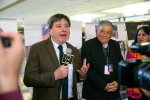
pixel 44 70
pixel 103 54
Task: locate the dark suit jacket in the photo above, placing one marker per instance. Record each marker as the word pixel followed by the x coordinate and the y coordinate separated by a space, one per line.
pixel 39 71
pixel 93 86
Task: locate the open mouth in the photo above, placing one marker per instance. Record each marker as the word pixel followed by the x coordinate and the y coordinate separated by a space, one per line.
pixel 63 35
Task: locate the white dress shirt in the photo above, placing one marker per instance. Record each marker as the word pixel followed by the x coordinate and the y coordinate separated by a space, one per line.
pixel 70 66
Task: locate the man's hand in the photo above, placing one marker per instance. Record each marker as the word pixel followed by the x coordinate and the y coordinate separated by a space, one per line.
pixel 61 72
pixel 111 87
pixel 84 68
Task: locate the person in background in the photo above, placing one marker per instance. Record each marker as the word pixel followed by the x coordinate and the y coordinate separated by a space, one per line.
pixel 142 36
pixel 10 63
pixel 44 71
pixel 123 49
pixel 103 55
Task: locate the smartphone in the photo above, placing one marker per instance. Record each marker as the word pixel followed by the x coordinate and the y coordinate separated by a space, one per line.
pixel 5 41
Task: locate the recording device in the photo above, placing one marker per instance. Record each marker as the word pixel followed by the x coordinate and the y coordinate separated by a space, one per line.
pixel 136 73
pixel 143 48
pixel 68 57
pixel 5 41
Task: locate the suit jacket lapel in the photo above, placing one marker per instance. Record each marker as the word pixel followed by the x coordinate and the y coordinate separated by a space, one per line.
pixel 51 51
pixel 99 46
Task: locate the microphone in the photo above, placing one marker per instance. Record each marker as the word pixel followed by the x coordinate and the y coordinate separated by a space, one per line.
pixel 68 57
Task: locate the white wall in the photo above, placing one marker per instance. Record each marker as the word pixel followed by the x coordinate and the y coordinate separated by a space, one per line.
pixel 76 34
pixel 9 25
pixel 32 30
pixel 90 30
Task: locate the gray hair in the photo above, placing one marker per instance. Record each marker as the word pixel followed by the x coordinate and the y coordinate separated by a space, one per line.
pixel 101 23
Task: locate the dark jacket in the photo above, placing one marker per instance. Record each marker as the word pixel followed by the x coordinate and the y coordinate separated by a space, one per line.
pixel 39 71
pixel 93 86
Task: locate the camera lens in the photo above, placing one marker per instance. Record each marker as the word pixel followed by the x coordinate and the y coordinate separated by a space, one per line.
pixel 142 75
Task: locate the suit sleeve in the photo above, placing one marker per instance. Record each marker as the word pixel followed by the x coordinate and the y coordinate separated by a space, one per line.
pixel 118 52
pixel 98 81
pixel 78 65
pixel 33 75
pixel 92 75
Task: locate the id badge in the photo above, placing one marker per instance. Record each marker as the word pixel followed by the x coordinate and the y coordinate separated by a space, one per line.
pixel 106 72
pixel 110 68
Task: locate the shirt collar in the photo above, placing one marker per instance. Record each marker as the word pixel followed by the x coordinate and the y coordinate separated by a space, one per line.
pixel 56 45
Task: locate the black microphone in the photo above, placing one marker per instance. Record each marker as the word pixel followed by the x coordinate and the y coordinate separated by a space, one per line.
pixel 68 57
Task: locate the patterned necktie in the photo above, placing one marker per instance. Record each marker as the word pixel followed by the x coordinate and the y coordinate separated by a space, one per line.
pixel 64 95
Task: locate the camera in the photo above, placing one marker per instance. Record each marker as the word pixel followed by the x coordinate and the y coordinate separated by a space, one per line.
pixel 136 73
pixel 143 48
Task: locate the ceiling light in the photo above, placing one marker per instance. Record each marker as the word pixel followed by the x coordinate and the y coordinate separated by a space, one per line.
pixel 132 9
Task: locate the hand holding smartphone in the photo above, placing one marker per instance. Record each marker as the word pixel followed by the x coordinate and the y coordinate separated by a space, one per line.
pixel 10 60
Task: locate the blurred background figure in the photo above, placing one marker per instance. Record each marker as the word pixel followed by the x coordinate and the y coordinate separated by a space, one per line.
pixel 115 31
pixel 142 36
pixel 10 63
pixel 123 49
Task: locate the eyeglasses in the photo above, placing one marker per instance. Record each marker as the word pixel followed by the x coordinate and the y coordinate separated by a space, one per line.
pixel 101 32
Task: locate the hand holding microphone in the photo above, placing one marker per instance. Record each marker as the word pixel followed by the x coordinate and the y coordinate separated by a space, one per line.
pixel 62 71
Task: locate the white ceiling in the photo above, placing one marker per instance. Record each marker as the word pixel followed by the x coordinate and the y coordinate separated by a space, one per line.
pixel 46 8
